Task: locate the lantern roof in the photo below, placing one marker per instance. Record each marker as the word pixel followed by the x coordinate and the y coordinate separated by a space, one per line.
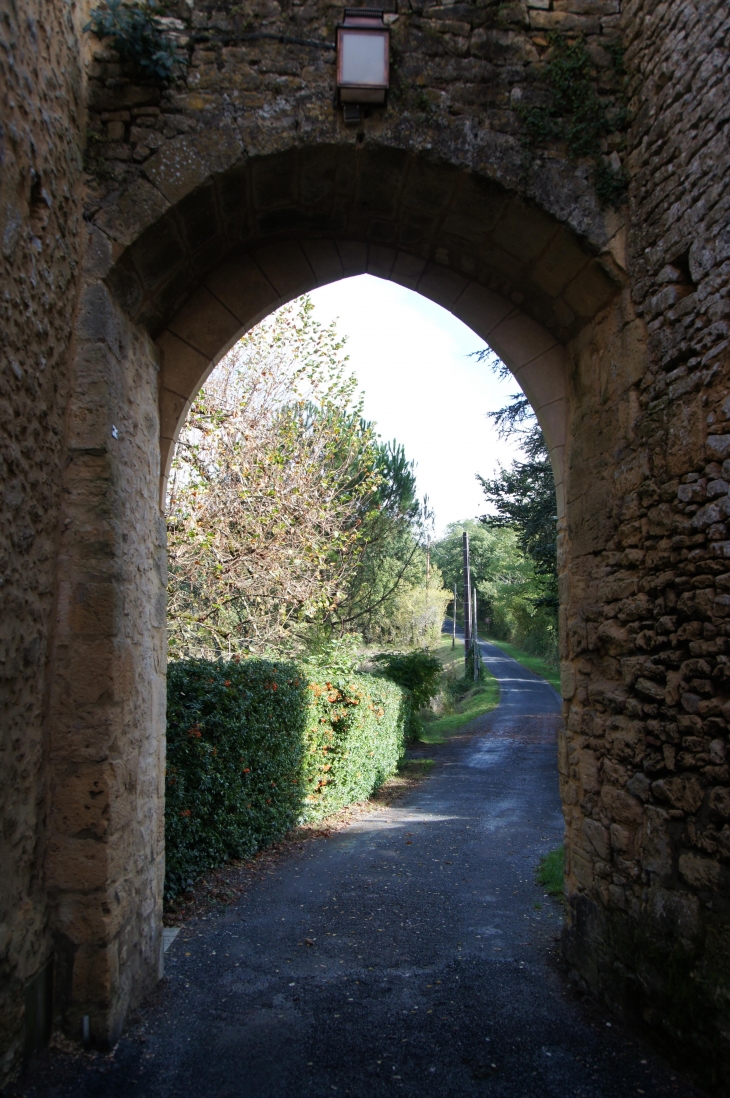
pixel 363 17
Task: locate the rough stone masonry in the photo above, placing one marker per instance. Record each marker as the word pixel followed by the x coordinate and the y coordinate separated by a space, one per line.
pixel 145 224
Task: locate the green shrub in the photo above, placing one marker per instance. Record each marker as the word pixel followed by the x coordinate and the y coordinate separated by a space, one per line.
pixel 418 672
pixel 256 746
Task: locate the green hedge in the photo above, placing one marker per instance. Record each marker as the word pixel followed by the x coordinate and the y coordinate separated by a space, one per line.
pixel 255 746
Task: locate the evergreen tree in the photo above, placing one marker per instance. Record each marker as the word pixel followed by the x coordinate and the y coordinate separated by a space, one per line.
pixel 523 496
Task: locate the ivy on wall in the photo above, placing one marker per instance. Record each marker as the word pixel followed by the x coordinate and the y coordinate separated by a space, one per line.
pixel 136 36
pixel 575 114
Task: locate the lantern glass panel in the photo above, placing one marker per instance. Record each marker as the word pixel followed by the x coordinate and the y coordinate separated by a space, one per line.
pixel 363 58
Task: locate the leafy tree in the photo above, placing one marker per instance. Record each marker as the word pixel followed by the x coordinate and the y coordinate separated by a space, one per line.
pixel 511 594
pixel 395 597
pixel 418 671
pixel 388 547
pixel 513 548
pixel 275 476
pixel 523 496
pixel 396 497
pixel 136 35
pixel 484 551
pixel 290 522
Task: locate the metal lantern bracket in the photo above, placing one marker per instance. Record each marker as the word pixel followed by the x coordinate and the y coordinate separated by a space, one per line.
pixel 363 61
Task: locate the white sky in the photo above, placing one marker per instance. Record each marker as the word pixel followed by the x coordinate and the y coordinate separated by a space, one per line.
pixel 421 388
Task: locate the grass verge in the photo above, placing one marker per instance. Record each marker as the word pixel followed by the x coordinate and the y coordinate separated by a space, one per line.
pixel 451 658
pixel 550 872
pixel 533 663
pixel 475 702
pixel 478 701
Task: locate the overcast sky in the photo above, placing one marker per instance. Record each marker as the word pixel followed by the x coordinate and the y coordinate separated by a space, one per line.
pixel 411 358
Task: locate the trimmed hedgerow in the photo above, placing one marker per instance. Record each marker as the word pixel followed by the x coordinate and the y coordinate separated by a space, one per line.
pixel 418 671
pixel 256 746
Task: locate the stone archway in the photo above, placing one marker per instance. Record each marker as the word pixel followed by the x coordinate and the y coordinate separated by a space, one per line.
pixel 228 302
pixel 523 281
pixel 240 244
pixel 208 202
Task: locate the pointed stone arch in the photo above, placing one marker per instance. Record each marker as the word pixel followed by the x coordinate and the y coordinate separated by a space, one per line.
pixel 246 240
pixel 178 267
pixel 248 156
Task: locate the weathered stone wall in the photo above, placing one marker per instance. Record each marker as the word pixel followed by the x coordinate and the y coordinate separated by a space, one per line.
pixel 42 130
pixel 644 761
pixel 211 201
pixel 462 74
pixel 104 858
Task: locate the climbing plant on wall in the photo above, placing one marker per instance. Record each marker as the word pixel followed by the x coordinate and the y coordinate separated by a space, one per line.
pixel 136 36
pixel 574 112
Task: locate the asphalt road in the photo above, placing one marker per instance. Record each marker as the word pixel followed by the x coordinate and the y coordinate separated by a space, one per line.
pixel 433 968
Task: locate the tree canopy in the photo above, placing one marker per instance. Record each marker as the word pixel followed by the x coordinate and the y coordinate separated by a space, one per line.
pixel 523 496
pixel 513 545
pixel 289 519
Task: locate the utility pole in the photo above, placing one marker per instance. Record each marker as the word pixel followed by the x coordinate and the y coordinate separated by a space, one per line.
pixel 475 632
pixel 467 603
pixel 453 623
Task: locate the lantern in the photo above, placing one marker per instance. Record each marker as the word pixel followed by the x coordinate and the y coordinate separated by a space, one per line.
pixel 363 59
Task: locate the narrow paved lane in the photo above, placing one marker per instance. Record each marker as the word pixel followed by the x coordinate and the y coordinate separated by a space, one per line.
pixel 432 966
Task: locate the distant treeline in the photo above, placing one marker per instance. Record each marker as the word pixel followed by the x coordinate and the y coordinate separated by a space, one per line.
pixel 513 547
